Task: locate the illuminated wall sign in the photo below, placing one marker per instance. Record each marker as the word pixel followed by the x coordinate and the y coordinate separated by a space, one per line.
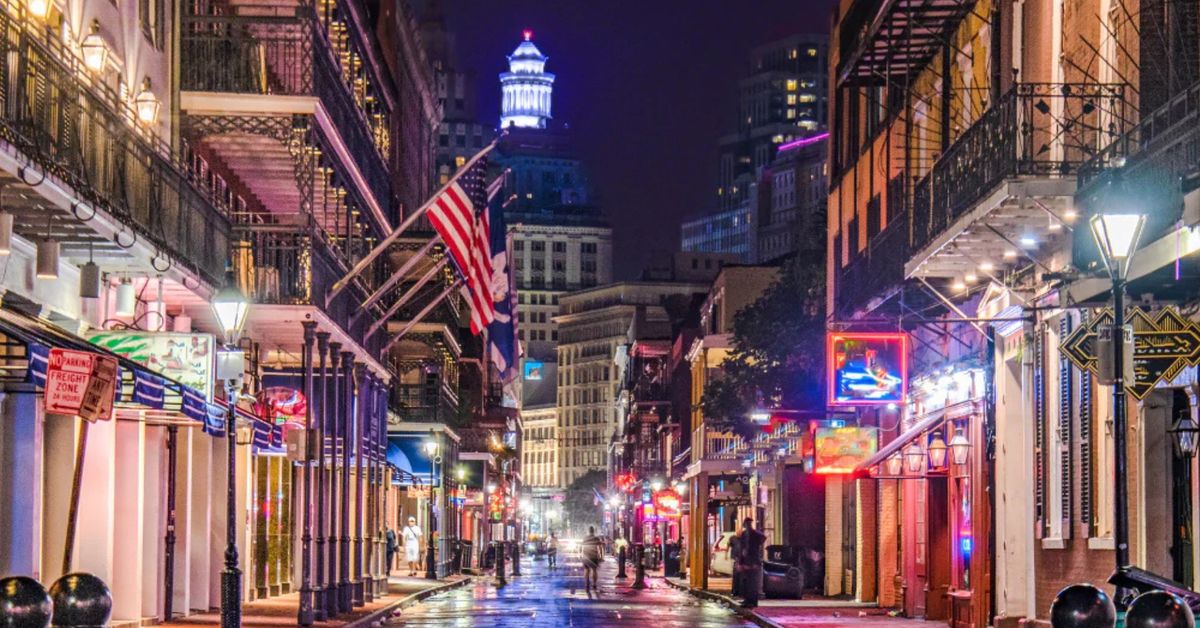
pixel 533 370
pixel 867 369
pixel 667 504
pixel 185 358
pixel 841 449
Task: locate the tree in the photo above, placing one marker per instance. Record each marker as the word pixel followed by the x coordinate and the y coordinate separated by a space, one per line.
pixel 778 355
pixel 580 503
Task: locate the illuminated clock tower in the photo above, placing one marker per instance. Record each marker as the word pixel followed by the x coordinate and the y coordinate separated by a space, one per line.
pixel 526 88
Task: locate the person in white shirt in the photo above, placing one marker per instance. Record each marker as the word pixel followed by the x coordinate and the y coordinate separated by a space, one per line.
pixel 412 545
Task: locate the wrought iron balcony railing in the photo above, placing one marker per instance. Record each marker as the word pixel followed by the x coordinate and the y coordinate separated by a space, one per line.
pixel 876 269
pixel 77 130
pixel 1036 129
pixel 286 265
pixel 285 56
pixel 422 403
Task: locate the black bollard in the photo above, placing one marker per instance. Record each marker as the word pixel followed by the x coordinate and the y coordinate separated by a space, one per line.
pixel 1082 605
pixel 621 563
pixel 81 599
pixel 639 567
pixel 516 558
pixel 501 580
pixel 1159 609
pixel 24 602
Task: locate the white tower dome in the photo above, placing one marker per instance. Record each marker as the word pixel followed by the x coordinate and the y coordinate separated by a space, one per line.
pixel 526 88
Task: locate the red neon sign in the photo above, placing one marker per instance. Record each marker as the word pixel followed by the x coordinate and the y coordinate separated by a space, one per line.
pixel 867 368
pixel 667 504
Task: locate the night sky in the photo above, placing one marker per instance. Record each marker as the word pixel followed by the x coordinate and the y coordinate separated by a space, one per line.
pixel 647 86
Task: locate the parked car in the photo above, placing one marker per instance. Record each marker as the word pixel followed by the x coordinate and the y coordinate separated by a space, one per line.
pixel 722 562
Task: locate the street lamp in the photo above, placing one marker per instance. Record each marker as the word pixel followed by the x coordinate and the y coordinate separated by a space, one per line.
pixel 937 452
pixel 1116 236
pixel 94 49
pixel 960 447
pixel 431 449
pixel 1187 435
pixel 656 485
pixel 914 458
pixel 230 307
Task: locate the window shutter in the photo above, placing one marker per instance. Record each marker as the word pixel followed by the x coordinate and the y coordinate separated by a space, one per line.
pixel 1085 443
pixel 1065 410
pixel 1039 419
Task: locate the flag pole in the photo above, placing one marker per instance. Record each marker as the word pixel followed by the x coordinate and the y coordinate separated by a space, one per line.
pixel 406 297
pixel 422 314
pixel 395 278
pixel 408 222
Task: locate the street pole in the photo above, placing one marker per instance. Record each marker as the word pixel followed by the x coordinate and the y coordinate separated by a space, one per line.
pixel 321 591
pixel 231 578
pixel 169 541
pixel 1121 526
pixel 430 571
pixel 305 616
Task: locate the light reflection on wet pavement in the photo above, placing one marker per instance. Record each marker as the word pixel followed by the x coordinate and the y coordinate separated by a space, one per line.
pixel 540 598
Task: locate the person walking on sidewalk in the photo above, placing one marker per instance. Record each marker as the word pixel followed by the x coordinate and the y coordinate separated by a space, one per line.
pixel 752 542
pixel 552 551
pixel 591 551
pixel 412 545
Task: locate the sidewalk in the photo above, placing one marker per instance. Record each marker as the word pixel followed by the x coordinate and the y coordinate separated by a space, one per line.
pixel 282 610
pixel 810 612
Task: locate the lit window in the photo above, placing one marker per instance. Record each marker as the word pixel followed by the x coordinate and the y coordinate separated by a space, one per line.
pixel 794 53
pixel 812 52
pixel 808 124
pixel 459 161
pixel 807 98
pixel 791 99
pixel 791 114
pixel 778 139
pixel 792 85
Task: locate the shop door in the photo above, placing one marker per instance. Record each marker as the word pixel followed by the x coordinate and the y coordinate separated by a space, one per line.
pixel 916 552
pixel 938 559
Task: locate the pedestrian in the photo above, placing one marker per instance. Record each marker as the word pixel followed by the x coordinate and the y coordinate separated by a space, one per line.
pixel 752 543
pixel 412 545
pixel 392 546
pixel 552 550
pixel 591 552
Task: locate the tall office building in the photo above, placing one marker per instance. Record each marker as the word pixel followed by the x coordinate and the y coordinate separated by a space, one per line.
pixel 526 88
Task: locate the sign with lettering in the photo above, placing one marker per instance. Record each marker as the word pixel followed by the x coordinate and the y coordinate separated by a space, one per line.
pixel 1164 343
pixel 80 383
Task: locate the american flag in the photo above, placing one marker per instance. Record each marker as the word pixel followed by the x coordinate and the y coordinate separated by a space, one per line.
pixel 463 227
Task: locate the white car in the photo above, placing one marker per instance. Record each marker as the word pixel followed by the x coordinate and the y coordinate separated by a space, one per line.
pixel 722 562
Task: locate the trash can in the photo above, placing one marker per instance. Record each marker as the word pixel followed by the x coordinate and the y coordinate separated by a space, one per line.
pixel 489 556
pixel 468 554
pixel 671 561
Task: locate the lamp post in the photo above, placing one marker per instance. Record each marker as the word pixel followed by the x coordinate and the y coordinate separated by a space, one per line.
pixel 431 449
pixel 231 307
pixel 1116 236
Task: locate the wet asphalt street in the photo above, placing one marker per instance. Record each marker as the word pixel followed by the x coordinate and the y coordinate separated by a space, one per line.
pixel 541 598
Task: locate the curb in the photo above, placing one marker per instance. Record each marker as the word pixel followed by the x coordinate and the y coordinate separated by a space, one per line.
pixel 727 601
pixel 405 602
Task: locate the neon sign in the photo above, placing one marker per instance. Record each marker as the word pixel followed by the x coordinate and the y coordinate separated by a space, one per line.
pixel 838 450
pixel 867 369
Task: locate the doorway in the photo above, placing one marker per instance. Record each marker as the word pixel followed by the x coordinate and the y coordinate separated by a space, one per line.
pixel 938 560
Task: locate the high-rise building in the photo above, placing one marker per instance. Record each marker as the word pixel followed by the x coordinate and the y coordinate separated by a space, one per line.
pixel 592 325
pixel 526 88
pixel 781 100
pixel 791 200
pixel 560 240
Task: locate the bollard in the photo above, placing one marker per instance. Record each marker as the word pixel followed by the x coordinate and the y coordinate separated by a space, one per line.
pixel 621 563
pixel 501 580
pixel 24 602
pixel 1080 605
pixel 639 567
pixel 516 558
pixel 81 599
pixel 1159 609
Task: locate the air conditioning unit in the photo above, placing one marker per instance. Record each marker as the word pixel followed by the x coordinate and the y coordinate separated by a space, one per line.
pixel 297 445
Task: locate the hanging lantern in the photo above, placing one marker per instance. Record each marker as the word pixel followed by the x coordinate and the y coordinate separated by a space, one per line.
pixel 1187 435
pixel 94 49
pixel 914 457
pixel 126 299
pixel 894 465
pixel 39 8
pixel 937 452
pixel 147 104
pixel 89 280
pixel 960 447
pixel 47 259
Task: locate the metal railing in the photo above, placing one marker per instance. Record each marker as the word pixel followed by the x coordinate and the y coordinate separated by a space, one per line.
pixel 708 444
pixel 1038 129
pixel 286 56
pixel 877 268
pixel 422 403
pixel 82 133
pixel 1166 139
pixel 290 265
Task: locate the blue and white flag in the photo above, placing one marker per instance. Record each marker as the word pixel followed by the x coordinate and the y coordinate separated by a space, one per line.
pixel 502 332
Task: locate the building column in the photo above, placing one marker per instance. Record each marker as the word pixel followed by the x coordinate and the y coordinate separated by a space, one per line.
pixel 128 582
pixel 21 449
pixel 866 529
pixel 154 522
pixel 345 418
pixel 1014 482
pixel 332 423
pixel 358 510
pixel 96 525
pixel 321 502
pixel 834 510
pixel 698 547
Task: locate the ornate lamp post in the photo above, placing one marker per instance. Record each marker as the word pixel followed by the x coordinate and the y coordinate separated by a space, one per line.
pixel 231 307
pixel 1117 236
pixel 431 449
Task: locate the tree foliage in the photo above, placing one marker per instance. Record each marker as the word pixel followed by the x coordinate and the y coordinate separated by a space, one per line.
pixel 778 354
pixel 579 504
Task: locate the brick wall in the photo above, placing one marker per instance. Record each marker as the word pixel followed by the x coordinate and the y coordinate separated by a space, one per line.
pixel 867 538
pixel 889 543
pixel 1057 568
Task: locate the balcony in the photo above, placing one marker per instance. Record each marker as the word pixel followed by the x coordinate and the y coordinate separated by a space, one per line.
pixel 423 403
pixel 882 40
pixel 125 186
pixel 290 266
pixel 874 274
pixel 711 445
pixel 291 55
pixel 1007 182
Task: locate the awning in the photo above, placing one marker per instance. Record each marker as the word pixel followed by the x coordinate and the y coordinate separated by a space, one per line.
pixel 901 441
